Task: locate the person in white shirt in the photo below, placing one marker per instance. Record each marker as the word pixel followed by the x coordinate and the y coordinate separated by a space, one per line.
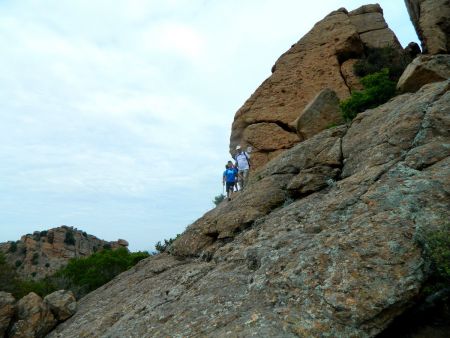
pixel 243 164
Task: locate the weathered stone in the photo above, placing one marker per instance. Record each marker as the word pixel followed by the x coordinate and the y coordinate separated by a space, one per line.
pixel 431 19
pixel 322 112
pixel 423 70
pixel 7 310
pixel 34 318
pixel 312 179
pixel 62 303
pixel 309 66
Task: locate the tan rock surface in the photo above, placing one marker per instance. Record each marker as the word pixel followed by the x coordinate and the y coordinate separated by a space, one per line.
pixel 431 20
pixel 62 303
pixel 309 66
pixel 423 70
pixel 321 113
pixel 34 318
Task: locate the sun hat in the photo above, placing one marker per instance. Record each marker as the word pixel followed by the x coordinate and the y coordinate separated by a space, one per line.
pixel 238 147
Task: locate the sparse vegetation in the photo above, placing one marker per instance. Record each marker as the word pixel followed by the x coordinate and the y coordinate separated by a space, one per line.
pixel 436 248
pixel 218 199
pixel 107 246
pixel 163 247
pixel 81 275
pixel 69 238
pixel 378 89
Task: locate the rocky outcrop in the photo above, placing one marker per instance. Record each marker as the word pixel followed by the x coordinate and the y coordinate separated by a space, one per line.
pixel 431 19
pixel 321 242
pixel 34 318
pixel 62 303
pixel 7 310
pixel 43 252
pixel 423 70
pixel 323 58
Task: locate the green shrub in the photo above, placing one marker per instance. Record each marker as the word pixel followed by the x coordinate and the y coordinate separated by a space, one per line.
pixel 82 275
pixel 47 265
pixel 12 247
pixel 69 238
pixel 436 248
pixel 107 246
pixel 378 89
pixel 43 233
pixel 218 199
pixel 18 263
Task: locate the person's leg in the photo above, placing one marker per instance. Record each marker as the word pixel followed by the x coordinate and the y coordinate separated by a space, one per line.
pixel 229 187
pixel 241 179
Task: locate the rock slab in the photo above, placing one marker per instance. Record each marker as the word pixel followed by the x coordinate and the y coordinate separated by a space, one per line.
pixel 431 20
pixel 338 259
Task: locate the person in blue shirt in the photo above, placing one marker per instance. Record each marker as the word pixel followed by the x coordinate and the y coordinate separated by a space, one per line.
pixel 229 178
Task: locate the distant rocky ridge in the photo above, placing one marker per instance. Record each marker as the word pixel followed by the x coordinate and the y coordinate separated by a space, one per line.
pixel 42 253
pixel 323 58
pixel 324 239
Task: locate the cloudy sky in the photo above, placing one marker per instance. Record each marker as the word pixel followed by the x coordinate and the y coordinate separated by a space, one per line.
pixel 115 115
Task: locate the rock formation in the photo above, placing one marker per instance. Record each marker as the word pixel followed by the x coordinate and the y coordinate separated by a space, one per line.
pixel 44 252
pixel 323 58
pixel 32 317
pixel 431 19
pixel 321 242
pixel 424 69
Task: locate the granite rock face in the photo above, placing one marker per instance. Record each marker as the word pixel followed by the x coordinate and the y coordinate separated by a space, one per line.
pixel 320 243
pixel 322 59
pixel 43 252
pixel 431 19
pixel 423 70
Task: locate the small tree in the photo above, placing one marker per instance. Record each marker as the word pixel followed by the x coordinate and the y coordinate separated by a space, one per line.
pixel 218 199
pixel 378 89
pixel 163 247
pixel 69 238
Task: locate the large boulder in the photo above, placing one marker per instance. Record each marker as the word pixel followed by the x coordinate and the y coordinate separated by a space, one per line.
pixel 423 70
pixel 322 112
pixel 7 310
pixel 431 19
pixel 34 318
pixel 317 61
pixel 62 303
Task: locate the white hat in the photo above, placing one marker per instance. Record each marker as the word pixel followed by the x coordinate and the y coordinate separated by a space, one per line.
pixel 238 147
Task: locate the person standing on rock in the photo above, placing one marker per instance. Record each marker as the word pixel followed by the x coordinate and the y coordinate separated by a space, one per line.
pixel 243 163
pixel 229 178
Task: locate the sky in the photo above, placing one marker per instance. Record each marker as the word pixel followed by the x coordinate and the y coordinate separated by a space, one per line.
pixel 115 115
